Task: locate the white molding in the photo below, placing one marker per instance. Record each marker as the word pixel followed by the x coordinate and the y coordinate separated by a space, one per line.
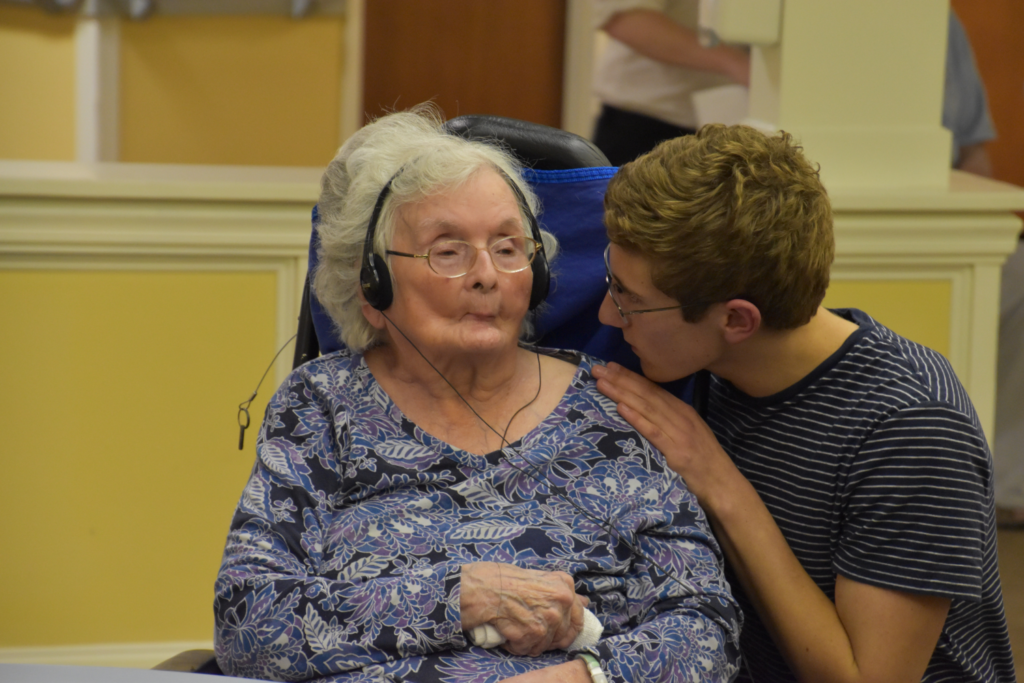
pixel 353 71
pixel 965 192
pixel 187 235
pixel 982 334
pixel 97 94
pixel 132 655
pixel 151 228
pixel 577 72
pixel 213 7
pixel 939 237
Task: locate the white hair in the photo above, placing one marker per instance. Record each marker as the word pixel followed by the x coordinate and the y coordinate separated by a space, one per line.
pixel 431 161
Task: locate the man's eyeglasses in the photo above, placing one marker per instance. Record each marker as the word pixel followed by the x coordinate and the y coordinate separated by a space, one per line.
pixel 611 293
pixel 455 258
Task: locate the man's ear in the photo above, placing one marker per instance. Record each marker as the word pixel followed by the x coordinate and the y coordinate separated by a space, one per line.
pixel 743 319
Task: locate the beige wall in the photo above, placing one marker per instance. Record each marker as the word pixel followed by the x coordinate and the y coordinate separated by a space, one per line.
pixel 37 85
pixel 919 310
pixel 231 90
pixel 260 90
pixel 120 460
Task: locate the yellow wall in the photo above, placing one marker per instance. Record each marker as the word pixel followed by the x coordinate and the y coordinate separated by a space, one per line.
pixel 263 90
pixel 120 460
pixel 919 310
pixel 37 85
pixel 231 90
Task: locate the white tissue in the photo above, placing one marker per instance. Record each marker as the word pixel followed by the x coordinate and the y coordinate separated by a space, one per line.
pixel 487 636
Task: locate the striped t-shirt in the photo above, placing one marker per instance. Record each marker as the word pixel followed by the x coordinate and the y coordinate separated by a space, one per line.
pixel 875 467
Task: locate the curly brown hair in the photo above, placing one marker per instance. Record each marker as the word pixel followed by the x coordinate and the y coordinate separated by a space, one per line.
pixel 728 213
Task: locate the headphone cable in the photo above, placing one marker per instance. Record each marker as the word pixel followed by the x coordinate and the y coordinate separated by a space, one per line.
pixel 243 407
pixel 603 524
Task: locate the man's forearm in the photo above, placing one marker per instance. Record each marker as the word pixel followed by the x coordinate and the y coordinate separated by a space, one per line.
pixel 657 37
pixel 975 159
pixel 810 630
pixel 800 618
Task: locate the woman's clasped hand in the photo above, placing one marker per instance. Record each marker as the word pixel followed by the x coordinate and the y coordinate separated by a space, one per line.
pixel 535 611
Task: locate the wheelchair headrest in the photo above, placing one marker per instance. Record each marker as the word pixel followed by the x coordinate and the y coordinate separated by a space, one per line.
pixel 537 146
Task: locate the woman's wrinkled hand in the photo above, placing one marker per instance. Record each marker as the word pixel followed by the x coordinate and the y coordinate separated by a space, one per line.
pixel 674 428
pixel 535 611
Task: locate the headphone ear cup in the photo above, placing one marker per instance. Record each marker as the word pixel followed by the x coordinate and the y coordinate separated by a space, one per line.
pixel 375 281
pixel 541 280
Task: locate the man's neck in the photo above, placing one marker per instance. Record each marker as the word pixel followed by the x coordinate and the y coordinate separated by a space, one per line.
pixel 773 360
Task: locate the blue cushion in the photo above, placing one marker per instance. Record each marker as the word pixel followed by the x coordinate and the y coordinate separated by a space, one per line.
pixel 572 208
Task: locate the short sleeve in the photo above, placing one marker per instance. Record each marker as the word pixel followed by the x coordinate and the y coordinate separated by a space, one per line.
pixel 603 10
pixel 965 110
pixel 914 505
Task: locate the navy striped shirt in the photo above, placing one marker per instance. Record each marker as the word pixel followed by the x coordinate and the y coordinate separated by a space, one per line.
pixel 875 467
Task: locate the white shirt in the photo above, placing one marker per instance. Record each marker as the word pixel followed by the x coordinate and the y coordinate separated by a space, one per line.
pixel 626 79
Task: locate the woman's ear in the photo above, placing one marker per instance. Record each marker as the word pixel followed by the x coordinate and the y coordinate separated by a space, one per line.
pixel 372 315
pixel 743 319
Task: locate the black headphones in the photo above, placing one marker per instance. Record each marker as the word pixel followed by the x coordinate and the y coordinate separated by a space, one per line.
pixel 375 278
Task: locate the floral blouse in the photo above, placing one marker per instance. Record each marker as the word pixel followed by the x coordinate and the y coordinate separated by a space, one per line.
pixel 344 555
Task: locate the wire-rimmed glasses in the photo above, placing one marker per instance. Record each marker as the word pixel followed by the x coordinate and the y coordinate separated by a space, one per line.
pixel 611 293
pixel 455 258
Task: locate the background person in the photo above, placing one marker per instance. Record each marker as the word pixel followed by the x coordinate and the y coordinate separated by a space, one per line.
pixel 651 67
pixel 965 113
pixel 383 518
pixel 842 466
pixel 1009 441
pixel 964 104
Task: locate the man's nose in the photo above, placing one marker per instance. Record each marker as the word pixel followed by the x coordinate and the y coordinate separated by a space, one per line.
pixel 609 313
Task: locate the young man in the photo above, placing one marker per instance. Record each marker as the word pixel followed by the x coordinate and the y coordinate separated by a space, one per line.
pixel 842 466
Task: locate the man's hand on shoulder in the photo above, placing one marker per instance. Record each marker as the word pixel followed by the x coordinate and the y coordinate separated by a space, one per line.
pixel 675 429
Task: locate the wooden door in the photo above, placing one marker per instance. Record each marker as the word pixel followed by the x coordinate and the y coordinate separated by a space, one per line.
pixel 500 57
pixel 996 32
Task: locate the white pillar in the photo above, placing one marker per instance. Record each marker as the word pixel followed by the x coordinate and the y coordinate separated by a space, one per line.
pixel 97 59
pixel 860 85
pixel 352 73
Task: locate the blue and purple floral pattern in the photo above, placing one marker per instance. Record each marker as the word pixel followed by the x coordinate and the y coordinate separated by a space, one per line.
pixel 344 555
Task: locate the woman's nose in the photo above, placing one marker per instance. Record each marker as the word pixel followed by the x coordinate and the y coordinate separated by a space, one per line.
pixel 609 313
pixel 483 271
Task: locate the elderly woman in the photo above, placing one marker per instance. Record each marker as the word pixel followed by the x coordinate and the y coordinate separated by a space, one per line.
pixel 438 476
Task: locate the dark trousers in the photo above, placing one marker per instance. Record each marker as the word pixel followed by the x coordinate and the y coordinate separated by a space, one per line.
pixel 623 135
